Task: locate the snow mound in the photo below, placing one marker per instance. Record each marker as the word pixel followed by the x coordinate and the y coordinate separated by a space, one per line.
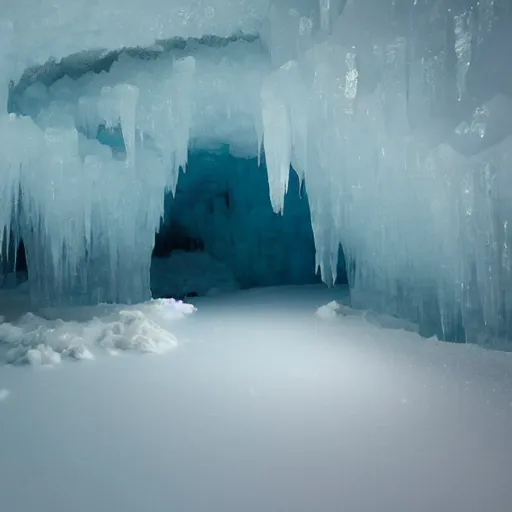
pixel 334 310
pixel 47 341
pixel 190 273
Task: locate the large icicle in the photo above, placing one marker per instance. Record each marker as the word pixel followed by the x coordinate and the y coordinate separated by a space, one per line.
pixel 277 138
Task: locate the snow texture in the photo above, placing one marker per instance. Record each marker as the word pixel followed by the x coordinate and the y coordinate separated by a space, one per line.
pixel 265 408
pixel 384 108
pixel 48 339
pixel 334 310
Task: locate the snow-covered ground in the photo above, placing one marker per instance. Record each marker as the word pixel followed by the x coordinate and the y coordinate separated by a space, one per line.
pixel 266 403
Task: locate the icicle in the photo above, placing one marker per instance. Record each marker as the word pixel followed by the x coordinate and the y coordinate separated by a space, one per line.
pixel 297 101
pixel 325 20
pixel 277 139
pixel 183 75
pixel 118 106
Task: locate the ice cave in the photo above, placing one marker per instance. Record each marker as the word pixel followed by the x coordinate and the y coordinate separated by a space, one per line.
pixel 300 209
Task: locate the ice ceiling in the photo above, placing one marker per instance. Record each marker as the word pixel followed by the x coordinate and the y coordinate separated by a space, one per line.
pixel 396 113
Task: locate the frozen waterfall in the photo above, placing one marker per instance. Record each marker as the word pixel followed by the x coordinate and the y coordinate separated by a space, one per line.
pixel 396 114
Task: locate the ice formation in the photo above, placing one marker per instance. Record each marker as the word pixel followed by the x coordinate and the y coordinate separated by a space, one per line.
pixel 396 115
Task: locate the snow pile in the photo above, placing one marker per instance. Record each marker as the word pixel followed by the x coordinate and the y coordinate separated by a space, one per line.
pixel 186 273
pixel 46 341
pixel 336 310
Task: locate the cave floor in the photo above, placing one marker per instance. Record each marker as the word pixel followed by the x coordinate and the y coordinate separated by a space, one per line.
pixel 263 405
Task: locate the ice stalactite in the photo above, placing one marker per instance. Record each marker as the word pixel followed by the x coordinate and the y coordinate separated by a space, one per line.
pixel 278 139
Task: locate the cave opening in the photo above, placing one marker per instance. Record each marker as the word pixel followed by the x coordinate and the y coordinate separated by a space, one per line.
pixel 219 232
pixel 131 121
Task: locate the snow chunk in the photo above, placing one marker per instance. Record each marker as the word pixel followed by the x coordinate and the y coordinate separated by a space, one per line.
pixel 328 311
pixel 334 309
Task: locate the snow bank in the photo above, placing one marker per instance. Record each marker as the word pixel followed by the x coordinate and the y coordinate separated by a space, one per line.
pixel 44 341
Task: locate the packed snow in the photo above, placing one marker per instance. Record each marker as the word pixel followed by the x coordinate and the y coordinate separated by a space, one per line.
pixel 263 405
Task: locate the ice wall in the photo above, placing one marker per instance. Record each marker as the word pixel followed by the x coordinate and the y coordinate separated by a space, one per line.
pixel 399 117
pixel 94 155
pixel 396 114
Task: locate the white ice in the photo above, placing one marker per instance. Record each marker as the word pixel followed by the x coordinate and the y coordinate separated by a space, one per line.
pixel 263 406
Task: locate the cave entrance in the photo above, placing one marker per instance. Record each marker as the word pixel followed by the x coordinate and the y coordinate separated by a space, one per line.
pixel 220 232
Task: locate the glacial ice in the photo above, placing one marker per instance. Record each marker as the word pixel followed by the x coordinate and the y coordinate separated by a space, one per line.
pixel 395 114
